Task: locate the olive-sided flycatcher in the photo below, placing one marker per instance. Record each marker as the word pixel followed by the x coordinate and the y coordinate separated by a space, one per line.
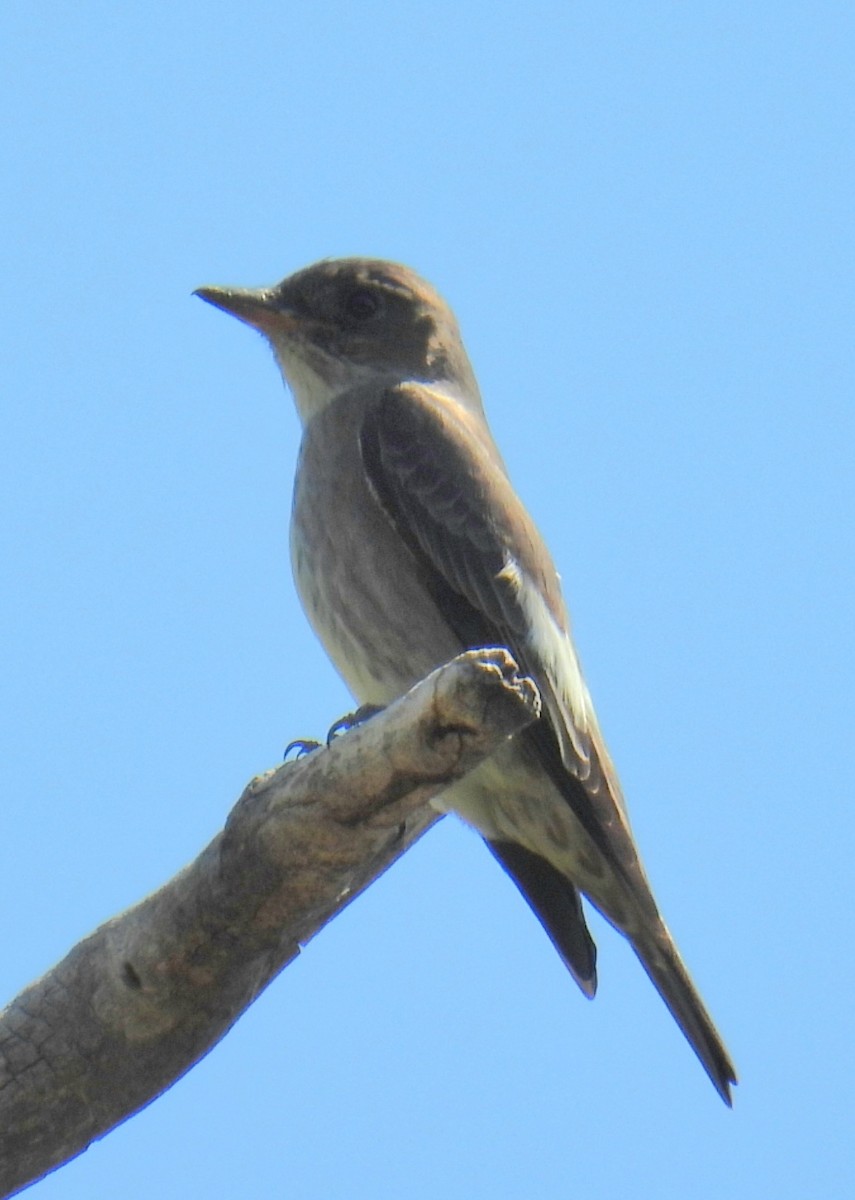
pixel 409 544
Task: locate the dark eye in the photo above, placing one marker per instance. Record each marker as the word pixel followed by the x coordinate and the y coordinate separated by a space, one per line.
pixel 362 304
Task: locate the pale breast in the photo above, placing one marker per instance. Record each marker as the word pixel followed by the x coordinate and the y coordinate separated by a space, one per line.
pixel 358 583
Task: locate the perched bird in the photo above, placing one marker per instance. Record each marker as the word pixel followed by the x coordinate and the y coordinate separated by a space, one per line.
pixel 409 544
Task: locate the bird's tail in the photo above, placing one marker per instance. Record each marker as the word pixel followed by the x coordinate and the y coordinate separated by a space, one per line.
pixel 661 960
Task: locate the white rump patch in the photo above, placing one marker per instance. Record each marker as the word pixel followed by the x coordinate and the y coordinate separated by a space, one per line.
pixel 554 652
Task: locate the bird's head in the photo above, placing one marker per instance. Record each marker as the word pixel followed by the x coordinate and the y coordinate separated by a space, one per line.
pixel 344 322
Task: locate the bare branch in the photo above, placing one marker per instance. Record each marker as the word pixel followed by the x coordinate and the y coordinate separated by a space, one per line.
pixel 137 1003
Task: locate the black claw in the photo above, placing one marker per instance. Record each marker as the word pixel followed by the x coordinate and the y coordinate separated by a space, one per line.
pixel 303 746
pixel 352 719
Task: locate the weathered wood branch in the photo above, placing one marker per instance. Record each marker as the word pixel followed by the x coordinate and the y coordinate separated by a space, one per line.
pixel 138 1002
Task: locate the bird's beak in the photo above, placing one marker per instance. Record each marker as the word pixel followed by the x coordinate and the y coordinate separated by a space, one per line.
pixel 255 306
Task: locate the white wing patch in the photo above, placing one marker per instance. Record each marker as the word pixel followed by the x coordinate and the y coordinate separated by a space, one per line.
pixel 566 695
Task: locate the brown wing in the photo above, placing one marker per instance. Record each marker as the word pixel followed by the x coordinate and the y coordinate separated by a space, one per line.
pixel 489 570
pixel 435 471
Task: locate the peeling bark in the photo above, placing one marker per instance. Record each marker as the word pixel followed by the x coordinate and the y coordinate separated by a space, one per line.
pixel 138 1002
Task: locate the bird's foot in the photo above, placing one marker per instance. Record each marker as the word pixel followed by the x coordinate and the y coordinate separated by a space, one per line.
pixel 303 746
pixel 352 719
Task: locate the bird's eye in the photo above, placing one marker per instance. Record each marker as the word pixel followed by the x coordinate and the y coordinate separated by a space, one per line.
pixel 362 304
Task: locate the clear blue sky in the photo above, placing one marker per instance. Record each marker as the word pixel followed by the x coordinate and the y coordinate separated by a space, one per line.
pixel 643 216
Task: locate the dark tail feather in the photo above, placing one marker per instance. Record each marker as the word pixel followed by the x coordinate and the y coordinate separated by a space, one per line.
pixel 624 878
pixel 662 962
pixel 557 905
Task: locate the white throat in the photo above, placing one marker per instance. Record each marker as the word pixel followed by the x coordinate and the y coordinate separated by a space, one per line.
pixel 312 390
